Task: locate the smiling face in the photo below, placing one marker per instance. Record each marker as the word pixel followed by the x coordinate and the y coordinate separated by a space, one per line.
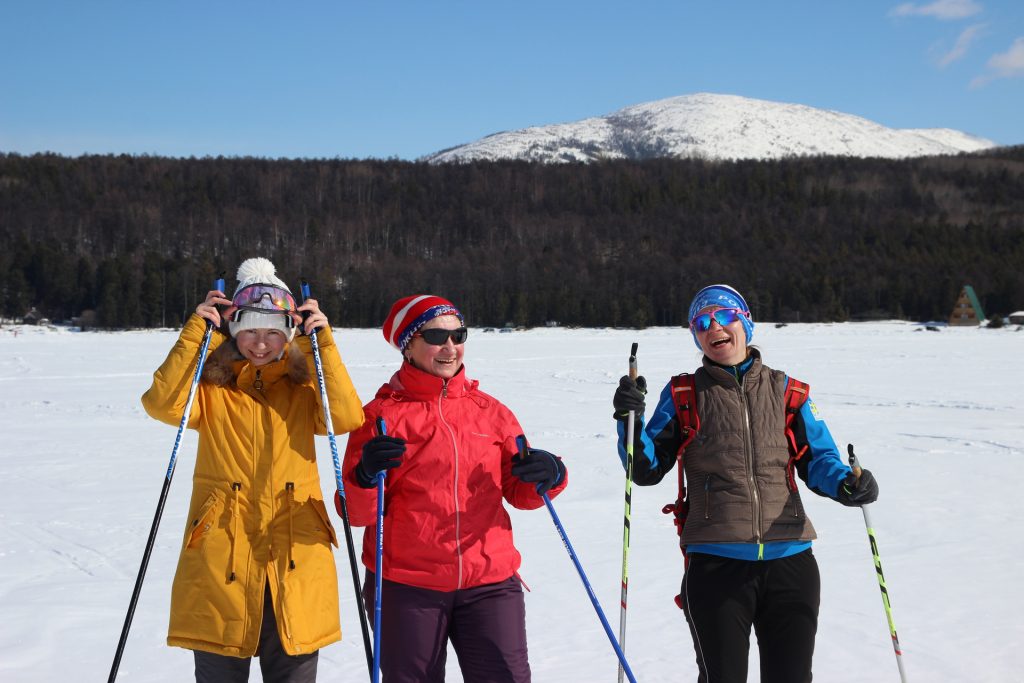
pixel 260 346
pixel 724 345
pixel 442 361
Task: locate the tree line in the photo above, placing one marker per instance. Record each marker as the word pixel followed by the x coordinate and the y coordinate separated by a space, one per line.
pixel 136 241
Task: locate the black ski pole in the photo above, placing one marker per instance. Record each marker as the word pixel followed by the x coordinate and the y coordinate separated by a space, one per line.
pixel 630 428
pixel 349 545
pixel 219 286
pixel 855 466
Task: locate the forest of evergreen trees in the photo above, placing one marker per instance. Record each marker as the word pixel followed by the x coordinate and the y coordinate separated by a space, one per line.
pixel 129 241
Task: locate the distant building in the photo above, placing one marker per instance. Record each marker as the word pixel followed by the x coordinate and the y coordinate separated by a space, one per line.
pixel 967 310
pixel 1017 318
pixel 34 317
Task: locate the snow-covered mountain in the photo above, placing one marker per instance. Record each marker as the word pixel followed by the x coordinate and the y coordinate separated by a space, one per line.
pixel 711 126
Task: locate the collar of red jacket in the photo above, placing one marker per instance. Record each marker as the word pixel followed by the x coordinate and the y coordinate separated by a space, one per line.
pixel 415 383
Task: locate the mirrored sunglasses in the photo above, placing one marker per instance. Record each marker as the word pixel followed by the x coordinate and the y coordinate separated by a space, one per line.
pixel 723 316
pixel 437 336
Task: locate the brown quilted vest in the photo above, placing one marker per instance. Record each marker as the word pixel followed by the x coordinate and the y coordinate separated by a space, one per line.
pixel 736 465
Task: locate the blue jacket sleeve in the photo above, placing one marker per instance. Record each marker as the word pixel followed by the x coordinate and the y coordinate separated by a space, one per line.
pixel 821 466
pixel 654 445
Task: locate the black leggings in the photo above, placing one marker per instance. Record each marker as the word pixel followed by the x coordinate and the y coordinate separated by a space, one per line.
pixel 276 665
pixel 722 598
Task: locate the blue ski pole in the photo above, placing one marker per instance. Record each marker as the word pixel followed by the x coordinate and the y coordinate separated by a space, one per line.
pixel 219 286
pixel 350 546
pixel 523 452
pixel 378 564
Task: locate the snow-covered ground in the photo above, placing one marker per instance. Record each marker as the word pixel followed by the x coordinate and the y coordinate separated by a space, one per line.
pixel 937 416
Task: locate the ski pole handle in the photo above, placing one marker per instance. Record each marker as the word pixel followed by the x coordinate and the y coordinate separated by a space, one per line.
pixel 521 446
pixel 854 463
pixel 632 362
pixel 304 289
pixel 218 284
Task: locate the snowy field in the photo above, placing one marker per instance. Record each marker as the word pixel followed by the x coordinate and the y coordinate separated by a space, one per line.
pixel 937 416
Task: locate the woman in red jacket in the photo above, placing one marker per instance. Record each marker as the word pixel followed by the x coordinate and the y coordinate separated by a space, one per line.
pixel 449 566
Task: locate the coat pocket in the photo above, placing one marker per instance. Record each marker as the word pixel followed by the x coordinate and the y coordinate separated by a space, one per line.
pixel 203 520
pixel 321 513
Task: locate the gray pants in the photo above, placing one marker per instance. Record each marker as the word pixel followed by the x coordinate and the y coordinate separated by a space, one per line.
pixel 276 665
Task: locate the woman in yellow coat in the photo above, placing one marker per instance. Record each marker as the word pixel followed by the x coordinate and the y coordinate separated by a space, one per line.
pixel 256 573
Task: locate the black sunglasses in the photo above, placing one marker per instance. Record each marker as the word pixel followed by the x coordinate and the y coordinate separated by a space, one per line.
pixel 437 336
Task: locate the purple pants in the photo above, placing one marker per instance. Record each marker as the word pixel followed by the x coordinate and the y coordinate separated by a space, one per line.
pixel 486 626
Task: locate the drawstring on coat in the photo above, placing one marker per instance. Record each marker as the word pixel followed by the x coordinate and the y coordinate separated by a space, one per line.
pixel 235 488
pixel 290 488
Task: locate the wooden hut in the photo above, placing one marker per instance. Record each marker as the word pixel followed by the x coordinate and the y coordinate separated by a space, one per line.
pixel 967 310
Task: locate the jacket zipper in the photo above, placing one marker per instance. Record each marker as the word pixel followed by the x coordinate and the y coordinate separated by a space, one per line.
pixel 455 491
pixel 754 496
pixel 707 497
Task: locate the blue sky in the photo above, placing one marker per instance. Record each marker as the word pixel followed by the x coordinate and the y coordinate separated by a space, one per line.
pixel 402 79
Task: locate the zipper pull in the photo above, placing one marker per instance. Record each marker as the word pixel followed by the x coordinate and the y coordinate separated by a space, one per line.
pixel 444 389
pixel 257 383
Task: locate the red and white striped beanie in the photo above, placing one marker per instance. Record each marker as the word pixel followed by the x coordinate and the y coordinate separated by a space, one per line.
pixel 411 313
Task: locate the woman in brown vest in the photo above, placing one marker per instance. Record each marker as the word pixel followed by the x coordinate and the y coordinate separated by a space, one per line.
pixel 745 535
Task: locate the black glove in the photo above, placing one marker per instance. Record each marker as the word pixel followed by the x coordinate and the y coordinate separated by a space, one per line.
pixel 539 466
pixel 856 492
pixel 629 396
pixel 379 453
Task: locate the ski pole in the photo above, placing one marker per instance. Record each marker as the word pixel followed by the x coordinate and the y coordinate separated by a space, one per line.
pixel 630 429
pixel 521 444
pixel 200 361
pixel 378 563
pixel 350 546
pixel 855 465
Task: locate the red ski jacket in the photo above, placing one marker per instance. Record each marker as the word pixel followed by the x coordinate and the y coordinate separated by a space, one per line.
pixel 445 527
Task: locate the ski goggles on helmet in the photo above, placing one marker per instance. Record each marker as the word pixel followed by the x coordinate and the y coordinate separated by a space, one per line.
pixel 263 298
pixel 438 336
pixel 723 316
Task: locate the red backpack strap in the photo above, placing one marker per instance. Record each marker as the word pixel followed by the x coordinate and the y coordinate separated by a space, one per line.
pixel 684 398
pixel 796 395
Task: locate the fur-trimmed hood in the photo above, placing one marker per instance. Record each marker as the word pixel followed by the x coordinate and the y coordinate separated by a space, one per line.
pixel 220 368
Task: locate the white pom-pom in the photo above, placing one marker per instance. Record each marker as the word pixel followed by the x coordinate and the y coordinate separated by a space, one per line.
pixel 256 270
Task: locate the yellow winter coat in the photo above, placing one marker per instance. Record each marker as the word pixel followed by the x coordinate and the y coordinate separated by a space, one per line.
pixel 257 515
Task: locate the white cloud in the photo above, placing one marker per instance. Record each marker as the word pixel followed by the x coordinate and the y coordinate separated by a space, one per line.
pixel 963 42
pixel 940 9
pixel 1009 64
